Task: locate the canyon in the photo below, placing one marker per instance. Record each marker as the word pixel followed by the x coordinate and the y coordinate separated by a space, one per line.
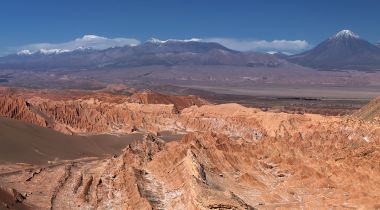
pixel 208 105
pixel 192 154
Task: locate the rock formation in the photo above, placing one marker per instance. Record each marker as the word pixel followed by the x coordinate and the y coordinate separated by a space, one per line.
pixel 19 109
pixel 180 102
pixel 231 157
pixel 98 113
pixel 206 170
pixel 370 112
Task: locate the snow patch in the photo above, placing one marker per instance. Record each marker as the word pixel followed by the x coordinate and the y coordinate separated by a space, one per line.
pixel 24 52
pixel 158 41
pixel 272 52
pixel 53 51
pixel 278 52
pixel 346 34
pixel 81 43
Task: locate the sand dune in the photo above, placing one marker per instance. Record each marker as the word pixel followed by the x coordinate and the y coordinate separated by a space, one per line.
pixel 25 142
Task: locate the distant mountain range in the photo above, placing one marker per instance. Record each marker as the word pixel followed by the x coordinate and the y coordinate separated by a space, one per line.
pixel 152 52
pixel 343 51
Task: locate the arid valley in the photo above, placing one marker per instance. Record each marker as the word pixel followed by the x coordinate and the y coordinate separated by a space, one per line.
pixel 98 149
pixel 189 105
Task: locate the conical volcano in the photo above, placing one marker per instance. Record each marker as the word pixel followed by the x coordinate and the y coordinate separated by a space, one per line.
pixel 344 50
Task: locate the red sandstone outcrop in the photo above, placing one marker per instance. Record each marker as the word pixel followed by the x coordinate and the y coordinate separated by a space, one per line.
pixel 95 113
pixel 94 116
pixel 19 109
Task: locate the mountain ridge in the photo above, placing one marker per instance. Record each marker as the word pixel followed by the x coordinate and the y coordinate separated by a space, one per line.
pixel 345 51
pixel 167 53
pixel 342 51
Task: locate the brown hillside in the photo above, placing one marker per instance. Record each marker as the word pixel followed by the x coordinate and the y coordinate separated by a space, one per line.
pixel 180 102
pixel 370 112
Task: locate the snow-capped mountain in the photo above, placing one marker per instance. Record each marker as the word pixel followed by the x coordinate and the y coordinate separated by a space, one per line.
pixel 158 41
pixel 345 34
pixel 24 52
pixel 51 51
pixel 152 52
pixel 43 51
pixel 87 42
pixel 344 50
pixel 152 45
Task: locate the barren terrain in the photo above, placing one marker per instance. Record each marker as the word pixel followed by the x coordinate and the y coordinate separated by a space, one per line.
pixel 288 88
pixel 213 105
pixel 190 154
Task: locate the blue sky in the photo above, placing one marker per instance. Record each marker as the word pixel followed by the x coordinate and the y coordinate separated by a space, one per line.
pixel 25 22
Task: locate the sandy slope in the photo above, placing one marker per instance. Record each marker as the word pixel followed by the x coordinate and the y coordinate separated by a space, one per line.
pixel 25 142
